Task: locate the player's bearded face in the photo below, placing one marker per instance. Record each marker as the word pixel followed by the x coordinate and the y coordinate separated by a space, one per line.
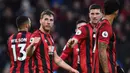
pixel 47 22
pixel 95 15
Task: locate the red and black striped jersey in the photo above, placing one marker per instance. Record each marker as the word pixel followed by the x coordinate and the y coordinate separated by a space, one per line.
pixel 43 53
pixel 17 44
pixel 71 54
pixel 84 35
pixel 105 34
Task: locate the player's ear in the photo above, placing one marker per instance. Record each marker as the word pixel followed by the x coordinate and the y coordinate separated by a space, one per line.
pixel 117 12
pixel 40 21
pixel 89 14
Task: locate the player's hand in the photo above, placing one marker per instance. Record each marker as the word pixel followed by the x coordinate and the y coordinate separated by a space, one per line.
pixel 74 71
pixel 71 42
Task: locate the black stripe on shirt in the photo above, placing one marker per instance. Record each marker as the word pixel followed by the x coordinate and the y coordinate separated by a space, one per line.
pixel 23 62
pixel 42 54
pixel 111 53
pixel 88 51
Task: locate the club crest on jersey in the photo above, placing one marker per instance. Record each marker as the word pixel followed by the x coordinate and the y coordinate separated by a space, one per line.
pixel 78 32
pixel 31 40
pixel 50 50
pixel 105 34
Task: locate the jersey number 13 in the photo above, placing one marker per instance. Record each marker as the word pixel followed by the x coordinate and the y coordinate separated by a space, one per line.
pixel 21 46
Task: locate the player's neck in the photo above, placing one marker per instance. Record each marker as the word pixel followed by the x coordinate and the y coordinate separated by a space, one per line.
pixel 110 18
pixel 42 30
pixel 22 29
pixel 93 24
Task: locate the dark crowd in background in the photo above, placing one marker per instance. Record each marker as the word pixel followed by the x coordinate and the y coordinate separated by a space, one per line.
pixel 67 13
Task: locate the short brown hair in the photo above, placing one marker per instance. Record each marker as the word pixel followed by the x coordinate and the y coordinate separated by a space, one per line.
pixel 95 6
pixel 47 12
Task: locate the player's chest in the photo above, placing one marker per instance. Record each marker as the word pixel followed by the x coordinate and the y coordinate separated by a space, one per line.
pixel 48 44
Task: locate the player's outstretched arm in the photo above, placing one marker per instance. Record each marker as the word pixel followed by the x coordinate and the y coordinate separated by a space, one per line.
pixel 62 64
pixel 64 55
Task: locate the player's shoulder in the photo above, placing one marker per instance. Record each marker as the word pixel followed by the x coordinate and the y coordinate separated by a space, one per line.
pixel 11 36
pixel 104 21
pixel 85 25
pixel 83 28
pixel 105 27
pixel 36 33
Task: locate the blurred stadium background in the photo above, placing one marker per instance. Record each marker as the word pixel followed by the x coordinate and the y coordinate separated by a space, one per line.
pixel 67 13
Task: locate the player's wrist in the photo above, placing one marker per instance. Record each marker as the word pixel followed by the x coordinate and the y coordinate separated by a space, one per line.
pixel 70 69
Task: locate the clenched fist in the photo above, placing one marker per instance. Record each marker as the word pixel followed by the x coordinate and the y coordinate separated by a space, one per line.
pixel 72 42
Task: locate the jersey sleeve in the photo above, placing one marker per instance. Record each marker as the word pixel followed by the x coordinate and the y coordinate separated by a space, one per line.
pixel 66 52
pixel 105 33
pixel 80 34
pixel 32 38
